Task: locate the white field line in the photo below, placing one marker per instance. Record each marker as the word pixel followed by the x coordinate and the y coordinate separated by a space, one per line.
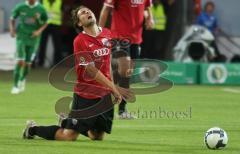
pixel 231 90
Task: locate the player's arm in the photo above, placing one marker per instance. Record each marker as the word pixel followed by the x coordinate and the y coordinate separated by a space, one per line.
pixel 42 18
pixel 126 94
pixel 104 15
pixel 149 22
pixel 12 22
pixel 40 30
pixel 12 29
pixel 98 76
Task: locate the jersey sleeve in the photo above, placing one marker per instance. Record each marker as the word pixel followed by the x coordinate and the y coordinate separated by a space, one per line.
pixel 15 12
pixel 82 57
pixel 110 3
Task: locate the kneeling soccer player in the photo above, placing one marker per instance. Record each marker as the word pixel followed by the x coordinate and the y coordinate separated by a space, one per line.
pixel 92 63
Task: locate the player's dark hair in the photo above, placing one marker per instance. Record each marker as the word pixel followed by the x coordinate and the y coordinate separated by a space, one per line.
pixel 75 18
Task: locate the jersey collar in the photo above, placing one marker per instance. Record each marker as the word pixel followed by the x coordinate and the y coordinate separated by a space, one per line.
pixel 31 6
pixel 100 28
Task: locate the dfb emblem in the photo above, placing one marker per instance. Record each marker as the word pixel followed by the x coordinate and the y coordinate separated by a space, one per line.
pixel 106 43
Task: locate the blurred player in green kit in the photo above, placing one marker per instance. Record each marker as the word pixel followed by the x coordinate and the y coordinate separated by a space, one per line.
pixel 32 21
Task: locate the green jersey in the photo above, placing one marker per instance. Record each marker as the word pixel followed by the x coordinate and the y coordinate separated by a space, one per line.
pixel 31 18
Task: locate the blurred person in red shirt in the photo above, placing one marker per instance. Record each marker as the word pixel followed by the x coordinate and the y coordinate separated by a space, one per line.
pixel 126 25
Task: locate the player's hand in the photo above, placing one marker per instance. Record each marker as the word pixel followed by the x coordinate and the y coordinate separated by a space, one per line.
pixel 36 33
pixel 117 95
pixel 127 94
pixel 13 33
pixel 149 23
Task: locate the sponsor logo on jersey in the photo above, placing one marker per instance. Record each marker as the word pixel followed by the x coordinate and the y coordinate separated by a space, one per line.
pixel 29 20
pixel 101 52
pixel 106 42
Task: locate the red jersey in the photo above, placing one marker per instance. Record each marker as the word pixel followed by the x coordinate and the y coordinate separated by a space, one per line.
pixel 95 51
pixel 127 18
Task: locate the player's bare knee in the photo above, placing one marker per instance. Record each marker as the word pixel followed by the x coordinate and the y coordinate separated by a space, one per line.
pixel 96 136
pixel 66 135
pixel 70 135
pixel 73 137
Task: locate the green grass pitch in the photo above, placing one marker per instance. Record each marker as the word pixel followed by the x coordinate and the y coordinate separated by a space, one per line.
pixel 150 133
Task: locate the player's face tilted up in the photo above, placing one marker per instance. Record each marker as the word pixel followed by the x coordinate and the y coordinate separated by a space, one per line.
pixel 86 18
